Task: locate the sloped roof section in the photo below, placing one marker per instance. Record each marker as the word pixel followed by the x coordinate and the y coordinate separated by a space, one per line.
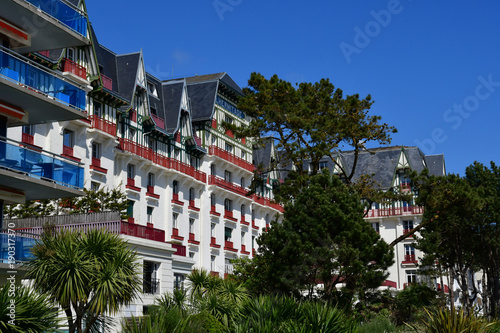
pixel 156 102
pixel 172 100
pixel 202 95
pixel 127 66
pixel 435 164
pixel 262 154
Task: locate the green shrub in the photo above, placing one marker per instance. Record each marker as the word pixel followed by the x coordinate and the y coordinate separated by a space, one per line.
pixel 446 321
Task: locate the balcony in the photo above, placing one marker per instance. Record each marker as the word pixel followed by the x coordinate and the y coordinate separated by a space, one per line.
pixel 22 243
pixel 115 227
pixel 175 234
pixel 214 123
pixel 228 214
pixel 136 149
pixel 231 158
pixel 45 95
pixel 244 250
pixel 158 121
pixel 151 286
pixel 192 239
pixel 243 221
pixel 180 249
pixel 213 243
pixel 229 246
pixel 96 166
pixel 215 180
pixel 107 82
pixel 52 24
pixel 409 259
pixel 267 202
pixel 406 231
pixel 213 210
pixel 192 206
pixel 256 227
pixel 395 211
pixel 75 71
pixel 38 174
pixel 151 192
pixel 133 116
pixel 405 187
pixel 131 185
pixel 175 199
pixel 103 125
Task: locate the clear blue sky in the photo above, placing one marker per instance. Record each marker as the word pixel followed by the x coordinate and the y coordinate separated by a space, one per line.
pixel 432 68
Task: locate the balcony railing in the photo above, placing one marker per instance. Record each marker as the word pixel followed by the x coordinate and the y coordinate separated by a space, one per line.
pixel 395 211
pixel 64 13
pixel 409 258
pixel 133 115
pixel 213 210
pixel 267 202
pixel 103 125
pixel 192 206
pixel 68 151
pixel 181 249
pixel 244 250
pixel 74 68
pixel 115 227
pixel 150 191
pixel 22 71
pixel 20 247
pixel 229 246
pixel 228 214
pixel 192 239
pixel 151 286
pixel 214 180
pixel 213 242
pixel 40 164
pixel 28 139
pixel 167 162
pixel 214 150
pixel 107 82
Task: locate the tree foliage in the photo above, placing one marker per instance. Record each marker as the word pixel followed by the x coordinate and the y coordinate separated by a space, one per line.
pixel 322 239
pixel 88 275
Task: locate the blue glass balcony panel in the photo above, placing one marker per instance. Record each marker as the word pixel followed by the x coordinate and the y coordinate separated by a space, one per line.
pixel 20 248
pixel 64 13
pixel 40 165
pixel 19 70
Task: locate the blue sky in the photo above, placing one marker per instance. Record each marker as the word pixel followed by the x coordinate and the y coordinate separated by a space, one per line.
pixel 432 68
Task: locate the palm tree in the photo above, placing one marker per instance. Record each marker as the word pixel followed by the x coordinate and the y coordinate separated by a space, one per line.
pixel 33 312
pixel 88 275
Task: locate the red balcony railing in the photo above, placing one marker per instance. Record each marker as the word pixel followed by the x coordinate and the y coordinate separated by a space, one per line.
pixel 107 82
pixel 254 226
pixel 103 125
pixel 67 151
pixel 158 121
pixel 181 249
pixel 229 246
pixel 28 139
pixel 214 180
pixel 405 231
pixel 192 239
pixel 213 242
pixel 267 202
pixel 244 250
pixel 410 258
pixel 229 133
pixel 228 214
pixel 96 162
pixel 151 192
pixel 214 123
pixel 142 232
pixel 175 199
pixel 213 210
pixel 74 68
pixel 395 211
pixel 175 234
pixel 214 150
pixel 167 162
pixel 243 221
pixel 192 206
pixel 130 182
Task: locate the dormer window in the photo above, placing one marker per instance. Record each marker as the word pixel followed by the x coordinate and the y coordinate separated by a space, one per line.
pixel 152 89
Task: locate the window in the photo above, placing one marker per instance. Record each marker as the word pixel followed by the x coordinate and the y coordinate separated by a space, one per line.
pixel 227 176
pixel 131 133
pixel 267 219
pixel 130 171
pixel 212 169
pixel 68 138
pixel 228 205
pixel 153 110
pixel 151 179
pixel 243 154
pixel 94 186
pixel 212 230
pixel 253 242
pixel 229 148
pixel 242 237
pixel 191 226
pixel 243 210
pixel 191 194
pixel 149 214
pixel 214 140
pixel 175 187
pixel 130 208
pixel 152 89
pixel 28 129
pixel 150 278
pixel 253 214
pixel 175 216
pixel 212 263
pixel 179 281
pixel 227 234
pixel 323 165
pixel 376 226
pixel 70 54
pixel 96 150
pixel 242 182
pixel 411 276
pixel 407 225
pixel 212 199
pixel 97 109
pixel 409 249
pixel 229 120
pixel 177 153
pixel 191 255
pixel 151 143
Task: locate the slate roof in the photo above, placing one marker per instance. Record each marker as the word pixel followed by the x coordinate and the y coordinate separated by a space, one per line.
pixel 127 66
pixel 172 100
pixel 435 164
pixel 262 155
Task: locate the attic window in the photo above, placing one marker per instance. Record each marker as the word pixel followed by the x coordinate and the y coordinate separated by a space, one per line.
pixel 152 89
pixel 153 111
